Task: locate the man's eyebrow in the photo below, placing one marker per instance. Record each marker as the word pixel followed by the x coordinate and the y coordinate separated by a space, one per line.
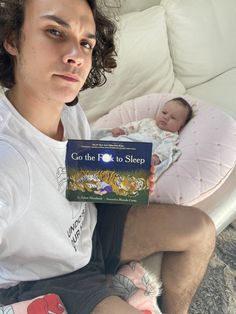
pixel 56 19
pixel 63 23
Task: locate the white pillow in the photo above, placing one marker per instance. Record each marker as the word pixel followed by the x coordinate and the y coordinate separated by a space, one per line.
pixel 207 143
pixel 202 38
pixel 219 91
pixel 113 7
pixel 144 64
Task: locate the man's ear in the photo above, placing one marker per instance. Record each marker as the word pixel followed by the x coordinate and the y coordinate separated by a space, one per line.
pixel 10 45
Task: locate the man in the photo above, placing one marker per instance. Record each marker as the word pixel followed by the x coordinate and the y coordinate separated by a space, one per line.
pixel 49 51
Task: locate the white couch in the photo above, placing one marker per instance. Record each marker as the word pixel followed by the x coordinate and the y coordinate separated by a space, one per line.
pixel 184 47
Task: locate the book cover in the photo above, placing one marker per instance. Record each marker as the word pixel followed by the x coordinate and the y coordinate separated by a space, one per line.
pixel 108 171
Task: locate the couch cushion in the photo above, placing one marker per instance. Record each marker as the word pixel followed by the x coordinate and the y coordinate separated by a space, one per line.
pixel 221 205
pixel 220 91
pixel 112 7
pixel 144 64
pixel 208 145
pixel 202 38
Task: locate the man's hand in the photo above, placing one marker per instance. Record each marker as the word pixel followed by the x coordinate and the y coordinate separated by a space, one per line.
pixel 152 180
pixel 155 160
pixel 117 131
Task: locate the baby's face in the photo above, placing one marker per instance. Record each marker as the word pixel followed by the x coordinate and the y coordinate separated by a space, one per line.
pixel 172 116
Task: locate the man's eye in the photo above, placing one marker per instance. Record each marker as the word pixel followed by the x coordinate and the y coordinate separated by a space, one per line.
pixel 87 45
pixel 54 32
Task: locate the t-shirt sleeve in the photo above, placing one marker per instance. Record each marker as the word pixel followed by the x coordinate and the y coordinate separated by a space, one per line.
pixel 14 185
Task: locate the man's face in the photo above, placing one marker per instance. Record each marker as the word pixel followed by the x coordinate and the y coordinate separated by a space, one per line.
pixel 172 116
pixel 55 51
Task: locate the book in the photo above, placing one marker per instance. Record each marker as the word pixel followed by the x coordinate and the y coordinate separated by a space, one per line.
pixel 108 171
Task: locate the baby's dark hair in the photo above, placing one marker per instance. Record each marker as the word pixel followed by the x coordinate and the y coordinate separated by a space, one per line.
pixel 186 105
pixel 12 14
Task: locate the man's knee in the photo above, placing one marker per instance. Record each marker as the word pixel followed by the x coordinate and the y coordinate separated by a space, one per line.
pixel 166 228
pixel 204 234
pixel 195 230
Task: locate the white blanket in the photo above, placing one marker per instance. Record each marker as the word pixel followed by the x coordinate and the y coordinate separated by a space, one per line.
pixel 106 135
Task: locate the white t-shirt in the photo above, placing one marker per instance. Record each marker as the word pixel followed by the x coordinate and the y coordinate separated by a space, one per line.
pixel 42 234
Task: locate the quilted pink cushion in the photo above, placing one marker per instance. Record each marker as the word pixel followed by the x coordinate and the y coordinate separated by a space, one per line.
pixel 207 143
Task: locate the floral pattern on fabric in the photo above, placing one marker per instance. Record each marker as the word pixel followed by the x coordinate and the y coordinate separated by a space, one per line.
pixel 138 287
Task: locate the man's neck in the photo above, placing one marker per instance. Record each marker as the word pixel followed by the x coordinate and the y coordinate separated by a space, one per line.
pixel 43 115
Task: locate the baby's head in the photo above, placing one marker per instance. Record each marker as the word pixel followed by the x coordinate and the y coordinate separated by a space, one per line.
pixel 174 115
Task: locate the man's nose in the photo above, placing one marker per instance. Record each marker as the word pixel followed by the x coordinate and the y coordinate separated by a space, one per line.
pixel 74 56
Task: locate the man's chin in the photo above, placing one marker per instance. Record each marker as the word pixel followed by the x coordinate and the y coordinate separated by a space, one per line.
pixel 72 102
pixel 70 98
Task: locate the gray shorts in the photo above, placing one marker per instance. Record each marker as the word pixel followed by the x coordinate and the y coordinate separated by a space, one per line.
pixel 83 289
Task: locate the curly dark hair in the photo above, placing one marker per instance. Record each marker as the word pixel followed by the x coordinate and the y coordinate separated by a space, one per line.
pixel 104 53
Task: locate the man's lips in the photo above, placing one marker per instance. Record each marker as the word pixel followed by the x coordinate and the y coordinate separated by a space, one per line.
pixel 69 77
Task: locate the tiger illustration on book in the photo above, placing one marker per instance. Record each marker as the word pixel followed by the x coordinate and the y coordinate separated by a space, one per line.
pixel 122 184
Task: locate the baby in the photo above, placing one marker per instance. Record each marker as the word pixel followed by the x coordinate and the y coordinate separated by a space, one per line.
pixel 163 131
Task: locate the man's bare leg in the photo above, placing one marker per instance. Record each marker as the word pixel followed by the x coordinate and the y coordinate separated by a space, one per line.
pixel 114 305
pixel 185 234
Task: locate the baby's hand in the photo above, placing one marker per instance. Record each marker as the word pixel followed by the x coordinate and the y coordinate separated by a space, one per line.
pixel 117 131
pixel 155 160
